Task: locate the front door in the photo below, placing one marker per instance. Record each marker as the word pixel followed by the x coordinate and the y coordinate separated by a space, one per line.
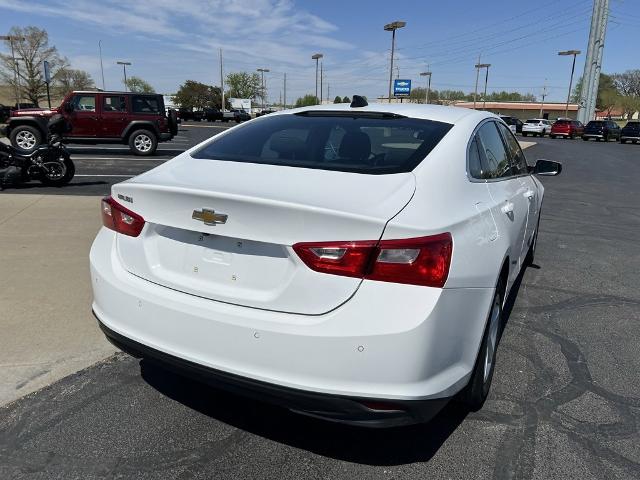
pixel 84 117
pixel 114 116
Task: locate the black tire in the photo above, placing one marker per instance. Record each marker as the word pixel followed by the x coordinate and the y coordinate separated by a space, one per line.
pixel 172 118
pixel 143 142
pixel 552 136
pixel 61 180
pixel 25 134
pixel 607 138
pixel 571 136
pixel 623 141
pixel 585 139
pixel 524 134
pixel 475 393
pixel 531 253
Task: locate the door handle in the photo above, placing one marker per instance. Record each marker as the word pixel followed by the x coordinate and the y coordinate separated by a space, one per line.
pixel 529 194
pixel 507 208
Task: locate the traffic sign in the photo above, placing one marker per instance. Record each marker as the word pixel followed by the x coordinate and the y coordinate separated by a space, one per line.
pixel 401 88
pixel 47 72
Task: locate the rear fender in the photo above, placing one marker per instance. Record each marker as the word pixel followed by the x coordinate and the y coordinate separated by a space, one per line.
pixel 137 125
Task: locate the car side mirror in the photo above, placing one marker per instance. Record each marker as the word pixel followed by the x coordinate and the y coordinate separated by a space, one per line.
pixel 68 107
pixel 546 167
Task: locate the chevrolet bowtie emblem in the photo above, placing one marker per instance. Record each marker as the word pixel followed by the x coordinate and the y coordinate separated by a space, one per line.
pixel 209 217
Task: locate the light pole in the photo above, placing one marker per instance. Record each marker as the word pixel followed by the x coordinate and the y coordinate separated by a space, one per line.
pixel 392 27
pixel 262 72
pixel 11 38
pixel 427 74
pixel 316 57
pixel 575 53
pixel 101 67
pixel 486 80
pixel 124 69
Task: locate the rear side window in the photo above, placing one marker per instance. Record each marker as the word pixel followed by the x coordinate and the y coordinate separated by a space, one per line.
pixel 494 156
pixel 518 161
pixel 145 104
pixel 367 142
pixel 114 103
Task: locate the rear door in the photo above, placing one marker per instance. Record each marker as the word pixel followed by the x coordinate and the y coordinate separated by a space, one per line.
pixel 114 116
pixel 84 117
pixel 510 206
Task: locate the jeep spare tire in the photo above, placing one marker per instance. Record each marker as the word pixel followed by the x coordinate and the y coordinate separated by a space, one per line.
pixel 173 121
pixel 25 138
pixel 143 142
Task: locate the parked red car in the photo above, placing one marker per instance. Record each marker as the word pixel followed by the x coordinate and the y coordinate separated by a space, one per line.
pixel 564 127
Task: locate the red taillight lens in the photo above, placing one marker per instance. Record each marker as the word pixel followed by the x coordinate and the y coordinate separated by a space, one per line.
pixel 416 261
pixel 120 219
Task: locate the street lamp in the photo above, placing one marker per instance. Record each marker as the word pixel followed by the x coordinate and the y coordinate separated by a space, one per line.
pixel 316 57
pixel 392 27
pixel 11 39
pixel 124 69
pixel 262 72
pixel 425 74
pixel 573 67
pixel 486 80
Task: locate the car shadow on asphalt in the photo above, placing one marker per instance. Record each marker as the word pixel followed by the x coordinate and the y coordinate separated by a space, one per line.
pixel 36 185
pixel 380 447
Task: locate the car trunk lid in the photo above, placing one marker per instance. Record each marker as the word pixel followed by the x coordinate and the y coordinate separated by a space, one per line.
pixel 246 258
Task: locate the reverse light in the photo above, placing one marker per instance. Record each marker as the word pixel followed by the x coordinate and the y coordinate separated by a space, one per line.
pixel 416 261
pixel 120 219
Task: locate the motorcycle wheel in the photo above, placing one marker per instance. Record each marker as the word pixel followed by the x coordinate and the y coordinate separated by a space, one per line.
pixel 58 173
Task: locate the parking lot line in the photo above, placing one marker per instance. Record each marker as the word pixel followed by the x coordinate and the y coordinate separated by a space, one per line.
pixel 127 159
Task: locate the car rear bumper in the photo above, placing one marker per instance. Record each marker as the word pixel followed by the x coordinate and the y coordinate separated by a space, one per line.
pixel 629 137
pixel 389 342
pixel 592 135
pixel 365 412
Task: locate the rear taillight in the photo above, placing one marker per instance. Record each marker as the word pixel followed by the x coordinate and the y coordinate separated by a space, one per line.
pixel 416 261
pixel 120 219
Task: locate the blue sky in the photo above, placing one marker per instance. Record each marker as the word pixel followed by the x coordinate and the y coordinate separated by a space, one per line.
pixel 170 41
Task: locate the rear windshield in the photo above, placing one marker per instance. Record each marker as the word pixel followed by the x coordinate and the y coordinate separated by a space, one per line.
pixel 594 123
pixel 632 124
pixel 562 122
pixel 533 121
pixel 350 142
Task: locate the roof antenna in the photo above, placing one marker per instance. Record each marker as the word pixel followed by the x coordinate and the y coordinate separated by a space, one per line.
pixel 359 101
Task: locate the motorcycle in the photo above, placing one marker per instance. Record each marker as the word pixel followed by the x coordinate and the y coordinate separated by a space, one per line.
pixel 50 163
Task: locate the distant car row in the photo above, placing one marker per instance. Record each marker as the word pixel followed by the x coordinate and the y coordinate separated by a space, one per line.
pixel 563 127
pixel 214 114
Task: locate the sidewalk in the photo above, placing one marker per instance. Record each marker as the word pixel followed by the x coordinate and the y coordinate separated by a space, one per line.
pixel 47 330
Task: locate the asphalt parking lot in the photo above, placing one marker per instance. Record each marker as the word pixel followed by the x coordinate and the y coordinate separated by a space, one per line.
pixel 565 401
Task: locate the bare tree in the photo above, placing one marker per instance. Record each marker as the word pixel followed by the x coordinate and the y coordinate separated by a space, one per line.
pixel 31 47
pixel 627 83
pixel 69 79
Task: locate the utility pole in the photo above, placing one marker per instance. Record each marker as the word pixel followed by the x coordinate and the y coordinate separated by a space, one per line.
pixel 486 80
pixel 328 92
pixel 101 67
pixel 316 57
pixel 593 60
pixel 426 96
pixel 475 92
pixel 16 86
pixel 285 91
pixel 392 27
pixel 264 93
pixel 221 83
pixel 124 69
pixel 544 95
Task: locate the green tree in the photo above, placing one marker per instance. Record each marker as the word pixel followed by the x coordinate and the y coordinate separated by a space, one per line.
pixel 136 84
pixel 197 95
pixel 69 79
pixel 605 84
pixel 337 99
pixel 346 100
pixel 244 85
pixel 307 100
pixel 31 45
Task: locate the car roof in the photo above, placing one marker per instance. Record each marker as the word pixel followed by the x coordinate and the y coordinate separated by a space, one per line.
pixel 438 113
pixel 113 92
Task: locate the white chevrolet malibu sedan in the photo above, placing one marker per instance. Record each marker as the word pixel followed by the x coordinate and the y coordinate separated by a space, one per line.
pixel 348 262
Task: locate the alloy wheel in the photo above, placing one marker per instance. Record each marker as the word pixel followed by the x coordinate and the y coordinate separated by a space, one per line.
pixel 142 143
pixel 25 140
